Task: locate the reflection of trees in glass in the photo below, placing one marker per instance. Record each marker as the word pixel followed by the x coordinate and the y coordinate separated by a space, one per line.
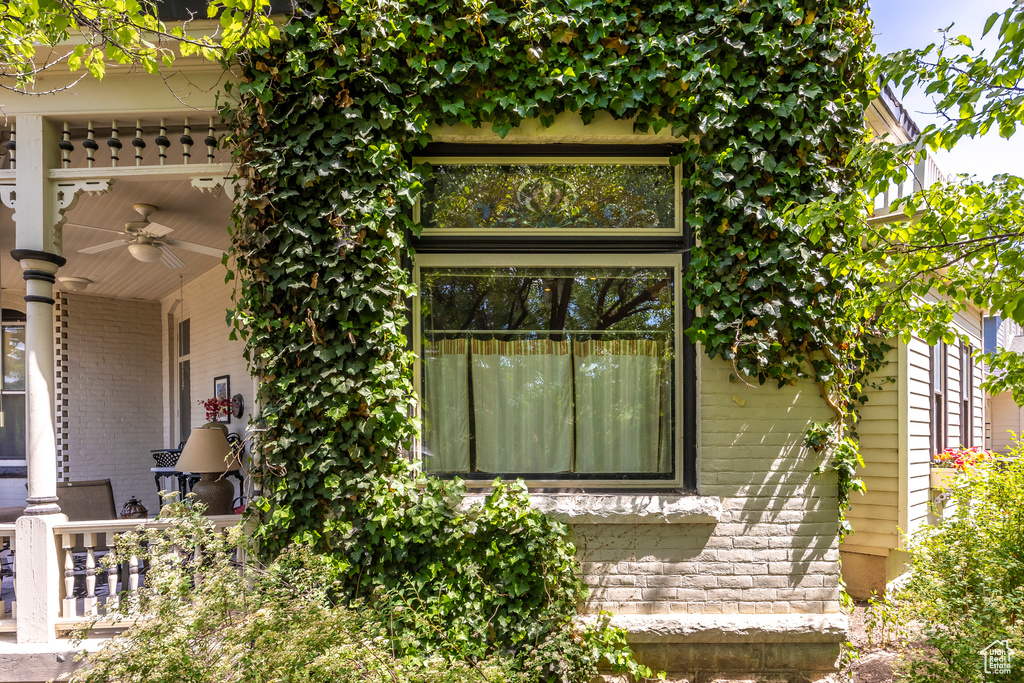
pixel 495 299
pixel 14 357
pixel 621 399
pixel 588 196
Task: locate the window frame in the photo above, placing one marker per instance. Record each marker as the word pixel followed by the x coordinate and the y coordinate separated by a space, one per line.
pixel 939 390
pixel 617 233
pixel 14 464
pixel 966 395
pixel 561 247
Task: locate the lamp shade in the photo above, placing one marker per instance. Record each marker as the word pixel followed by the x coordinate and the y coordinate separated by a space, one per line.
pixel 207 450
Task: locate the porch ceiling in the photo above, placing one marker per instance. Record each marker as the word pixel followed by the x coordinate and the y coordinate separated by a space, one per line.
pixel 195 217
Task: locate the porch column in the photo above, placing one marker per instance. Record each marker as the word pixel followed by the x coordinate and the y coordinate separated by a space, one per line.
pixel 38 246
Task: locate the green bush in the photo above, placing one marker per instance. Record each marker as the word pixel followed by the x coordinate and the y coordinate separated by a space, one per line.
pixel 434 594
pixel 206 618
pixel 966 588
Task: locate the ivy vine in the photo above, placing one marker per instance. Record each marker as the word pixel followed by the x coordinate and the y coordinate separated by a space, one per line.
pixel 765 98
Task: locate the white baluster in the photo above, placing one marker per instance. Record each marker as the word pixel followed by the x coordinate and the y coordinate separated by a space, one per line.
pixel 186 142
pixel 70 604
pixel 133 574
pixel 65 146
pixel 111 604
pixel 114 143
pixel 90 145
pixel 90 574
pixel 162 142
pixel 211 143
pixel 12 146
pixel 138 143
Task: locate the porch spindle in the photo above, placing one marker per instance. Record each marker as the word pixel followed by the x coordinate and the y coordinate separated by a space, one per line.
pixel 65 146
pixel 11 147
pixel 162 142
pixel 90 574
pixel 114 143
pixel 186 142
pixel 111 604
pixel 90 145
pixel 138 143
pixel 70 604
pixel 211 143
pixel 133 574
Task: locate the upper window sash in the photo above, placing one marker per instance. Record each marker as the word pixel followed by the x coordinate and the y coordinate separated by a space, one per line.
pixel 675 227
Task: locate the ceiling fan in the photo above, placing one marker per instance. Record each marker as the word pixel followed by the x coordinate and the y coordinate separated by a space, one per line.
pixel 147 241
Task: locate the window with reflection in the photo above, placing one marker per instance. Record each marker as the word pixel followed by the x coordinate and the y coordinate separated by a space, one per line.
pixel 595 197
pixel 540 370
pixel 12 393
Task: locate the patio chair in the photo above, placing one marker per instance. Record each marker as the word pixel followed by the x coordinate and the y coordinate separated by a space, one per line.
pixel 84 501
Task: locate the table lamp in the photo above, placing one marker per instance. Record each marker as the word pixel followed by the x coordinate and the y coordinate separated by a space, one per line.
pixel 208 453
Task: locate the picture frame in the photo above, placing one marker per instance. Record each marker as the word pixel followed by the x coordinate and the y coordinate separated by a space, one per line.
pixel 222 390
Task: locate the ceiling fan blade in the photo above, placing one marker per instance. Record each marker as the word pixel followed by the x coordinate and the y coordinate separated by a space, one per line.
pixel 191 246
pixel 169 258
pixel 157 230
pixel 92 227
pixel 103 247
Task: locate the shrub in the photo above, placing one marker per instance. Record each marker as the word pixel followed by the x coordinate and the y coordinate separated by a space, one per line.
pixel 966 589
pixel 485 595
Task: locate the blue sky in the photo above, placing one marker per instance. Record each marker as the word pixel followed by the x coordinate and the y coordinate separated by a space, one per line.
pixel 903 24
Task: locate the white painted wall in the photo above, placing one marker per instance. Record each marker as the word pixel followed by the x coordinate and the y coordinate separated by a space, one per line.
pixel 114 408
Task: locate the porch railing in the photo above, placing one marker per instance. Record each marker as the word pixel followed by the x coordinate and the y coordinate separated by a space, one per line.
pixel 91 588
pixel 116 143
pixel 8 606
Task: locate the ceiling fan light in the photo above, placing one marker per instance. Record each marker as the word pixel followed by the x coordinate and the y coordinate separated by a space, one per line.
pixel 75 284
pixel 147 253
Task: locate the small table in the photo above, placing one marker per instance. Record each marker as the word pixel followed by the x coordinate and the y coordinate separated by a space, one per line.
pixel 161 473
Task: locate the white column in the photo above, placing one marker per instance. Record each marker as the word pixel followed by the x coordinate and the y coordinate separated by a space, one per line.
pixel 39 272
pixel 38 248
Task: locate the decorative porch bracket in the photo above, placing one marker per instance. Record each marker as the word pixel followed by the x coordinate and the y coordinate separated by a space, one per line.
pixel 213 184
pixel 64 196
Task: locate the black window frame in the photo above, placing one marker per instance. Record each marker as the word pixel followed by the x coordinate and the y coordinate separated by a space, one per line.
pixel 685 389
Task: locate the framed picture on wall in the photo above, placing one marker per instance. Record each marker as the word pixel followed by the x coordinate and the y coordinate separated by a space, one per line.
pixel 222 392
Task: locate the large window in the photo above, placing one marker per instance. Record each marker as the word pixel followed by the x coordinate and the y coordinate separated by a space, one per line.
pixel 12 394
pixel 551 358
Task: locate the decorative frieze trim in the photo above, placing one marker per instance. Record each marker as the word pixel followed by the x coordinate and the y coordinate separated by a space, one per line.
pixel 632 508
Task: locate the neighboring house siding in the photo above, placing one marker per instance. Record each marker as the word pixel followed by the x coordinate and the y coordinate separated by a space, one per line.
pixel 1005 418
pixel 875 515
pixel 897 443
pixel 919 445
pixel 113 411
pixel 774 550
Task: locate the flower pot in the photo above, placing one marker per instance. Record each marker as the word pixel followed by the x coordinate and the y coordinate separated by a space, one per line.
pixel 942 476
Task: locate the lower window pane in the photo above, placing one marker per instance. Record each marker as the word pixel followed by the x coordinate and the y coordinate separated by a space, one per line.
pixel 548 371
pixel 12 434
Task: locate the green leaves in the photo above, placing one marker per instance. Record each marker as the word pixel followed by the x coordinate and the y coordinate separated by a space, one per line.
pixel 765 108
pixel 121 31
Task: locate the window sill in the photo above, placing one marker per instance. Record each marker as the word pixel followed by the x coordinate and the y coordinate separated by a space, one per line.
pixel 639 508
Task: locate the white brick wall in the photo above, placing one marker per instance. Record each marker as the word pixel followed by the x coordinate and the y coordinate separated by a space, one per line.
pixel 774 550
pixel 114 389
pixel 212 353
